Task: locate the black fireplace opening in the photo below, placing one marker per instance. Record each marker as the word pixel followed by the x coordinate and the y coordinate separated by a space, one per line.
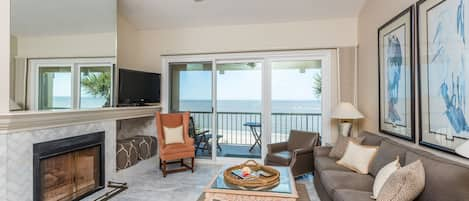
pixel 69 169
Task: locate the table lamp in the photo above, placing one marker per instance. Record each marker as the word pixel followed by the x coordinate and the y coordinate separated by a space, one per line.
pixel 346 113
pixel 463 149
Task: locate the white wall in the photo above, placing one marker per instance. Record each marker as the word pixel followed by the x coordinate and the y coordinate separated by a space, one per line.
pixel 84 45
pixel 142 48
pixel 374 14
pixel 4 56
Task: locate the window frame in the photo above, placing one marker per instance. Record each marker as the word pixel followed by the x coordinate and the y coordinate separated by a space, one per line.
pixel 75 64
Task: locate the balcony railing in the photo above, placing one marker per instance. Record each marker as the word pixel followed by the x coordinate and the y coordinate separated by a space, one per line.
pixel 231 125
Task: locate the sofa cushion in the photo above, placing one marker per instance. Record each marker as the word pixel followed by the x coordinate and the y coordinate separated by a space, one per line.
pixel 281 158
pixel 351 195
pixel 371 138
pixel 326 163
pixel 341 145
pixel 388 150
pixel 444 179
pixel 333 180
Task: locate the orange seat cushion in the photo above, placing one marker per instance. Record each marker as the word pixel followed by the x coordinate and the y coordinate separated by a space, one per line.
pixel 177 148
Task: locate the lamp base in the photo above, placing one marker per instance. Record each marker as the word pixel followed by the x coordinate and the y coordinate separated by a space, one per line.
pixel 345 128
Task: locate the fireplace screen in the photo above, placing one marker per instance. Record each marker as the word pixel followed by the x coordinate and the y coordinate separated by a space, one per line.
pixel 70 175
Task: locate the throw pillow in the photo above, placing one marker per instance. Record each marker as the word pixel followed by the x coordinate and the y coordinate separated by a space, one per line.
pixel 358 157
pixel 405 184
pixel 341 145
pixel 383 175
pixel 173 135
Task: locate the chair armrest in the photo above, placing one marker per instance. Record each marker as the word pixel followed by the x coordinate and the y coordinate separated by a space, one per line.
pixel 190 141
pixel 277 147
pixel 303 151
pixel 322 151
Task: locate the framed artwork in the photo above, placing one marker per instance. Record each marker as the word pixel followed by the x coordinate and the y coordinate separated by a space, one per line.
pixel 396 80
pixel 443 59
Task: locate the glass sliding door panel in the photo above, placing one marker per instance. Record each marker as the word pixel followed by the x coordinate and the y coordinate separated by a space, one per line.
pixel 239 96
pixel 54 87
pixel 191 90
pixel 95 86
pixel 296 98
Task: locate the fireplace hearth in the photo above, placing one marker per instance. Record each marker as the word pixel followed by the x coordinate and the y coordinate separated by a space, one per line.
pixel 69 169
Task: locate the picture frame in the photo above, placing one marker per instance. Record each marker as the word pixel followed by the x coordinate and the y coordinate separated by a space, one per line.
pixel 396 76
pixel 442 58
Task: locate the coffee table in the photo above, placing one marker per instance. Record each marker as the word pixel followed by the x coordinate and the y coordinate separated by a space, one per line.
pixel 219 189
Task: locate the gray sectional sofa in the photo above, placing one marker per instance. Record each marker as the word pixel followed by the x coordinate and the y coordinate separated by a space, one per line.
pixel 445 180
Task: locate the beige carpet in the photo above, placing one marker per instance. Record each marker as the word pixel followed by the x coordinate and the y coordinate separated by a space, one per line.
pixel 301 188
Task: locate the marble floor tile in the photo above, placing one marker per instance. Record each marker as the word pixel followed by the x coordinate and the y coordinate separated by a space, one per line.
pixel 149 184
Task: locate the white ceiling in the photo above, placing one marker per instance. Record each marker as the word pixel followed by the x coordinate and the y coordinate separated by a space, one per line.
pixel 56 17
pixel 160 14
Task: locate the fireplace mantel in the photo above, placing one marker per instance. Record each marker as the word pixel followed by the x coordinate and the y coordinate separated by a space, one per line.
pixel 24 121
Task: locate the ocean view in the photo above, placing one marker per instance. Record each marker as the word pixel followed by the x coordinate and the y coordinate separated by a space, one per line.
pixel 278 106
pixel 86 102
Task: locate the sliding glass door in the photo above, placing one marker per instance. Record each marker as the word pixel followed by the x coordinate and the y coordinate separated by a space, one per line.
pixel 296 97
pixel 242 102
pixel 191 91
pixel 239 106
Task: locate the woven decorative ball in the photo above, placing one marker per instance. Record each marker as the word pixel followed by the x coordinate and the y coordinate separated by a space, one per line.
pixel 253 181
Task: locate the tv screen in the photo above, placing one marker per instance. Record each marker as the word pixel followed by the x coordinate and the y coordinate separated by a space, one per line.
pixel 136 87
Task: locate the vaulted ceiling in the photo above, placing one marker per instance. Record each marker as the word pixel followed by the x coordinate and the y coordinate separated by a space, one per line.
pixel 161 14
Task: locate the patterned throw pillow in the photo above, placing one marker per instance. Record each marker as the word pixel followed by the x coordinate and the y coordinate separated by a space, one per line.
pixel 358 157
pixel 383 175
pixel 341 145
pixel 405 184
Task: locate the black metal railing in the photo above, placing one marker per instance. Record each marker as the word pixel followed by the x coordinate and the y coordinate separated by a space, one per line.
pixel 231 125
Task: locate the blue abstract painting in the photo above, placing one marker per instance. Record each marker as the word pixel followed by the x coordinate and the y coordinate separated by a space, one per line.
pixel 395 77
pixel 447 69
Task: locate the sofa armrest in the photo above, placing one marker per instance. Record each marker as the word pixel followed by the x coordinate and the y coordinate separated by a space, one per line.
pixel 322 151
pixel 277 147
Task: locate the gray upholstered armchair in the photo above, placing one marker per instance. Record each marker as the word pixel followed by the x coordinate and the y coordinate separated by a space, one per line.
pixel 296 153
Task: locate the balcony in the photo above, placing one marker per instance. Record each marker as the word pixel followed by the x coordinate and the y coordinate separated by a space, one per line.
pixel 238 138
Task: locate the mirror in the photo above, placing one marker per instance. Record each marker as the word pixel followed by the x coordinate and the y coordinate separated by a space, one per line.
pixel 63 54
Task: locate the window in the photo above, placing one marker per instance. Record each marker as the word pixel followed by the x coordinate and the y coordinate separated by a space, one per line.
pixel 55 87
pixel 71 83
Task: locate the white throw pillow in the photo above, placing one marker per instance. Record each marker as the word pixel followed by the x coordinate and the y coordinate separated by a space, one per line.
pixel 383 176
pixel 173 135
pixel 358 157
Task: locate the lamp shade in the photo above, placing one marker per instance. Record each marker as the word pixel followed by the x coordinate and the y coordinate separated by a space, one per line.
pixel 346 110
pixel 463 149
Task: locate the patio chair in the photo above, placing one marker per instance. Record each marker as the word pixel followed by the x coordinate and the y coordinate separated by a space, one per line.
pixel 202 137
pixel 296 153
pixel 174 153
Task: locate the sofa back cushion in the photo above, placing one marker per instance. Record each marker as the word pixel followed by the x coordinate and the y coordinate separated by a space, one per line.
pixel 444 179
pixel 371 139
pixel 388 150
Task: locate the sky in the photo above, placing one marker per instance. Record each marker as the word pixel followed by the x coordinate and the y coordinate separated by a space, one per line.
pixel 287 84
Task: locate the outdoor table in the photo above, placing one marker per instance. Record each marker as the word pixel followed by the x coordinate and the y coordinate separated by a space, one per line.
pixel 257 134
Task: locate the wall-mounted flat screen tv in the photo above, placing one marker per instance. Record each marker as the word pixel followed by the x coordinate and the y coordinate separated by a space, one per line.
pixel 138 88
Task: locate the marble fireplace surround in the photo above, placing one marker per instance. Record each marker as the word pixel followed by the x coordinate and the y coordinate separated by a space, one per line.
pixel 16 147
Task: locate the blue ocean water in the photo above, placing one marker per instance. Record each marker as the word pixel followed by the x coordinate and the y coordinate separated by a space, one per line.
pixel 278 106
pixel 85 102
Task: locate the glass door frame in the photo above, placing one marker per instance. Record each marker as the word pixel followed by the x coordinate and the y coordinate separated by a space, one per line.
pixel 267 57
